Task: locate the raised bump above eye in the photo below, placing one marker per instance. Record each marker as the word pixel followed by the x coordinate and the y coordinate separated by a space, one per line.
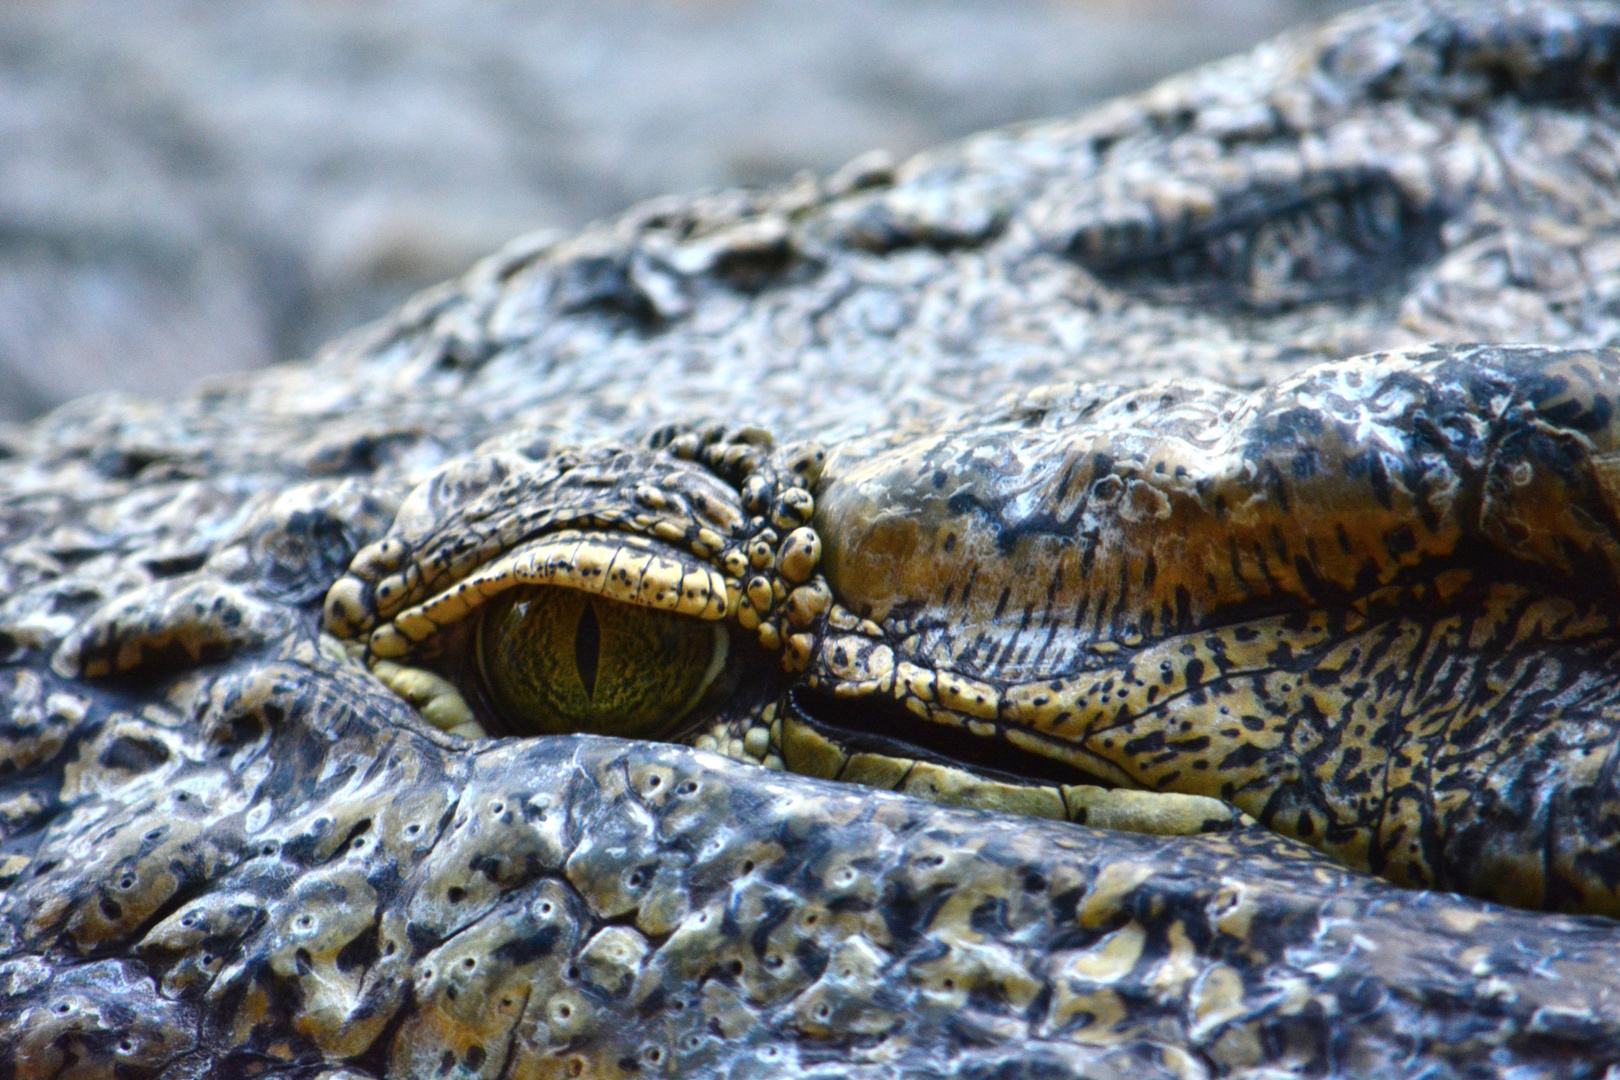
pixel 1265 248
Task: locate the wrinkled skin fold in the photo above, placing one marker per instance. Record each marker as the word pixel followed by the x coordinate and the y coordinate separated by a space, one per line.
pixel 1094 471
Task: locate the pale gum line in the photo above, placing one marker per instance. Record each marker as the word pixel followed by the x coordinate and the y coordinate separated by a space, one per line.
pixel 1150 812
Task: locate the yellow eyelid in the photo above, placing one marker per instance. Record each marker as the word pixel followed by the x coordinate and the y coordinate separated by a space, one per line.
pixel 618 566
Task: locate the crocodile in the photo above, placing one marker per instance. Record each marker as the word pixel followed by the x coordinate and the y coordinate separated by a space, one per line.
pixel 1073 603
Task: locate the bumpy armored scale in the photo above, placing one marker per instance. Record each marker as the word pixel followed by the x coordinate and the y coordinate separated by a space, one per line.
pixel 726 473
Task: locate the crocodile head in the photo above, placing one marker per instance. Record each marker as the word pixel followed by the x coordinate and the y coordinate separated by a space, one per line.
pixel 464 703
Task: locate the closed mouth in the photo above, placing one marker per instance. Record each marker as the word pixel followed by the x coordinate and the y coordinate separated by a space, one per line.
pixel 881 725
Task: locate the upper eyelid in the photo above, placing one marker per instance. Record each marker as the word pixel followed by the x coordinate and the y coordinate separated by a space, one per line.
pixel 479 512
pixel 702 523
pixel 624 567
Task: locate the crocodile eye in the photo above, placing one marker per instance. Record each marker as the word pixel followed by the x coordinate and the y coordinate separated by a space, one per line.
pixel 557 661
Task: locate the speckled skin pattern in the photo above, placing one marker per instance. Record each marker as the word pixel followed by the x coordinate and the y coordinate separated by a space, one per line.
pixel 1093 471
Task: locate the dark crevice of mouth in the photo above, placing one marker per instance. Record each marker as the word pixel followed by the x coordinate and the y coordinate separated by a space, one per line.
pixel 881 725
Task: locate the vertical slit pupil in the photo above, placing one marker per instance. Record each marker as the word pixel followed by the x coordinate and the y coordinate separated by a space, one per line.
pixel 587 648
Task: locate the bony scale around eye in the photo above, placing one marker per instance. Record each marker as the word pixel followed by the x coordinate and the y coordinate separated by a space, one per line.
pixel 559 661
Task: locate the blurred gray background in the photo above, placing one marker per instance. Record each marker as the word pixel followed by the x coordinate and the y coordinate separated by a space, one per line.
pixel 195 187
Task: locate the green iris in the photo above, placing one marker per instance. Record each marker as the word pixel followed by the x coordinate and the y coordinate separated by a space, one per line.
pixel 558 661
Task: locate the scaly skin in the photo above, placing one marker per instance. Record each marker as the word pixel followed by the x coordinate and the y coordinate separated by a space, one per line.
pixel 1311 617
